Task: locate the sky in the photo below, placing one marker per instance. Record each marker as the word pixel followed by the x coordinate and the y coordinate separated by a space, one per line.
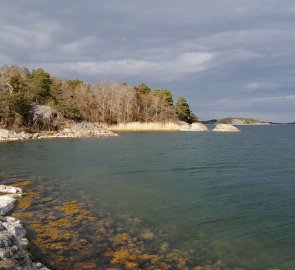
pixel 228 58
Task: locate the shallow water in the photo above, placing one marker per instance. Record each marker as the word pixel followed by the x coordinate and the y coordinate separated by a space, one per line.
pixel 224 196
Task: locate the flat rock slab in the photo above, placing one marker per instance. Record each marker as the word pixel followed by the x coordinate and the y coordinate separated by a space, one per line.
pixel 7 203
pixel 11 190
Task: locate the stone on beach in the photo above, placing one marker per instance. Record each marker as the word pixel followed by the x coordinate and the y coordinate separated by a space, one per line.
pixel 85 129
pixel 10 189
pixel 10 135
pixel 15 227
pixel 12 236
pixel 71 130
pixel 7 203
pixel 12 255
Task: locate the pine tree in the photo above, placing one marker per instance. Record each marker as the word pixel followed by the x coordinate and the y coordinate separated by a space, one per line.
pixel 183 111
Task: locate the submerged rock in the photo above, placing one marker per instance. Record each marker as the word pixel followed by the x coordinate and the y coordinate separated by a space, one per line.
pixel 225 128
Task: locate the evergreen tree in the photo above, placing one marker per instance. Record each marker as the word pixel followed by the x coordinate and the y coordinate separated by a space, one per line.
pixel 165 95
pixel 183 111
pixel 142 89
pixel 40 86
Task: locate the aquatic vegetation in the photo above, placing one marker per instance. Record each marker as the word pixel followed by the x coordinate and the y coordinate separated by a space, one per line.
pixel 26 201
pixel 120 239
pixel 21 184
pixel 163 247
pixel 69 236
pixel 147 235
pixel 87 266
pixel 21 215
pixel 123 257
pixel 133 258
pixel 70 208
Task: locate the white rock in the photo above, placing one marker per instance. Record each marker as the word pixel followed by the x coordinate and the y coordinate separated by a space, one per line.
pixel 12 236
pixel 10 189
pixel 5 132
pixel 198 127
pixel 7 203
pixel 225 128
pixel 15 227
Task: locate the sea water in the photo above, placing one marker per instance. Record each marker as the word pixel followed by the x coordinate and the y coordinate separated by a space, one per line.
pixel 228 196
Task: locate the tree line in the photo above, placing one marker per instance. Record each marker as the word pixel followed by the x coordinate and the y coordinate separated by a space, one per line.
pixel 102 102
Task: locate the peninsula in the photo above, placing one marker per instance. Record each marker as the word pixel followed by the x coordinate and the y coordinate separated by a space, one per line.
pixel 36 105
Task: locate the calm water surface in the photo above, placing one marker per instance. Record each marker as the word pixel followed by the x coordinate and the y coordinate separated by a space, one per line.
pixel 232 193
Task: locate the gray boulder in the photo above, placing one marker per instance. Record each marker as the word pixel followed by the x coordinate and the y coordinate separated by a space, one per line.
pixel 42 112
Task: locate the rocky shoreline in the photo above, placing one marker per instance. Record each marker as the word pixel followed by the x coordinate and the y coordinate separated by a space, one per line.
pixel 74 130
pixel 88 130
pixel 12 235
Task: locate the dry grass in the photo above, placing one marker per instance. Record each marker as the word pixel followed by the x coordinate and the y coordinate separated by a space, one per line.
pixel 149 126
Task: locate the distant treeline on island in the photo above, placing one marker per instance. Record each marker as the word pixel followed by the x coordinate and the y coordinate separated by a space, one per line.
pixel 112 103
pixel 235 121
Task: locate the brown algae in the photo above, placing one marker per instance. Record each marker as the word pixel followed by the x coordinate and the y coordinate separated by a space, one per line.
pixel 66 235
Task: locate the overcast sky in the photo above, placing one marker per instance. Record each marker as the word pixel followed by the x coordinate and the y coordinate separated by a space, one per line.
pixel 227 57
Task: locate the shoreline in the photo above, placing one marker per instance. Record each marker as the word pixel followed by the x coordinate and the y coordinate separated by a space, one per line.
pixel 13 241
pixel 158 126
pixel 77 130
pixel 95 130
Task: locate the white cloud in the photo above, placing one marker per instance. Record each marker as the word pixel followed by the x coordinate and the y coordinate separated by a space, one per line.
pixel 185 63
pixel 253 86
pixel 287 99
pixel 39 36
pixel 239 51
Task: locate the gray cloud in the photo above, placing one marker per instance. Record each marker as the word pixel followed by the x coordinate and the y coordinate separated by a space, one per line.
pixel 227 57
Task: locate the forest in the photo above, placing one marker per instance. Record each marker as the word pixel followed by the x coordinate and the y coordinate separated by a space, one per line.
pixel 102 102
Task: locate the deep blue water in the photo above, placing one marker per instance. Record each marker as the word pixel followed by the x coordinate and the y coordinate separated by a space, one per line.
pixel 232 194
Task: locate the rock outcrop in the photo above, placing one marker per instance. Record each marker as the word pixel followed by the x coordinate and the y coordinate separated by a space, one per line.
pixel 83 129
pixel 6 204
pixel 198 127
pixel 72 130
pixel 9 189
pixel 12 236
pixel 225 128
pixel 10 135
pixel 42 113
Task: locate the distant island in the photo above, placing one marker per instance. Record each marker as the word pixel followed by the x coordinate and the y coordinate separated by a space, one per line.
pixel 236 121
